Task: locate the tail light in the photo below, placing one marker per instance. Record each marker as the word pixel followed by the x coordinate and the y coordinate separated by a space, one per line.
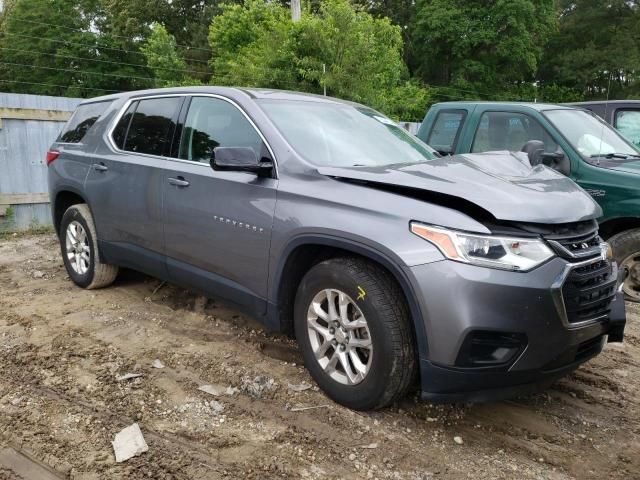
pixel 51 156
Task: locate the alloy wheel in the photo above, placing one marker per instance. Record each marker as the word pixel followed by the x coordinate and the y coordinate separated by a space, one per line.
pixel 339 336
pixel 78 249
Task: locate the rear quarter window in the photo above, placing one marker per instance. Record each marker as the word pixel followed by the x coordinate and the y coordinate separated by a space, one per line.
pixel 151 126
pixel 81 122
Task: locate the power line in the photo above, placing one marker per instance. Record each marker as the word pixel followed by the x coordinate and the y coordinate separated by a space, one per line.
pixel 61 86
pixel 96 46
pixel 82 72
pixel 454 89
pixel 110 34
pixel 76 71
pixel 102 61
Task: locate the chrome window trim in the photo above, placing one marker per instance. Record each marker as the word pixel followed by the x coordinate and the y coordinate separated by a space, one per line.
pixel 126 105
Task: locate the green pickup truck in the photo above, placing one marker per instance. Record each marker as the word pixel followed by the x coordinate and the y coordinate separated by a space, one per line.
pixel 571 140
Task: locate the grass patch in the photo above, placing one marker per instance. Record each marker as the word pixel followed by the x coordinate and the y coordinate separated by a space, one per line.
pixel 32 230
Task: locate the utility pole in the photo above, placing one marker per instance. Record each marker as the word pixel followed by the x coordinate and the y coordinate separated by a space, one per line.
pixel 295 10
pixel 324 78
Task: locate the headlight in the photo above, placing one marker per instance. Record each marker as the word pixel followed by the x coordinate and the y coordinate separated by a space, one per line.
pixel 487 251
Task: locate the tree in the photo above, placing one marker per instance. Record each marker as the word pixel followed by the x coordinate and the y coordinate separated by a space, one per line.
pixel 162 58
pixel 187 20
pixel 52 47
pixel 349 52
pixel 596 52
pixel 488 49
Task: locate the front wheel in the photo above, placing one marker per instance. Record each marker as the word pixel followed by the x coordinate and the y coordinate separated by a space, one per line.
pixel 626 252
pixel 352 325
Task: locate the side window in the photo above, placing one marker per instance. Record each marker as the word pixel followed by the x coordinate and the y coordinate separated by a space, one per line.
pixel 120 132
pixel 628 124
pixel 152 125
pixel 81 121
pixel 444 133
pixel 509 131
pixel 212 123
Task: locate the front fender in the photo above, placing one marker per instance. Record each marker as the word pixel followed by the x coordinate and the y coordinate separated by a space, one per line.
pixel 377 254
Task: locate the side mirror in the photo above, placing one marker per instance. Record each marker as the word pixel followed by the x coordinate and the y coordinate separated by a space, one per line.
pixel 534 150
pixel 240 159
pixel 537 155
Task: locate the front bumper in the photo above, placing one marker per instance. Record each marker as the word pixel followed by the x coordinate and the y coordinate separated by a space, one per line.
pixel 457 300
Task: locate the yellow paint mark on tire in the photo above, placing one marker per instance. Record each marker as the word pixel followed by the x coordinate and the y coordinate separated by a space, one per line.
pixel 361 293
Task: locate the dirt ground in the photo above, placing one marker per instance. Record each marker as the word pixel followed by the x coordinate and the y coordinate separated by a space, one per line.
pixel 62 350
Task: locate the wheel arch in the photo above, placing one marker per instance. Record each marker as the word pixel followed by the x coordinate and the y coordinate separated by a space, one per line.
pixel 63 199
pixel 305 251
pixel 613 226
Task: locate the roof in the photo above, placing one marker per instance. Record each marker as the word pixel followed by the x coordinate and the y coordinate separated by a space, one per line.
pixel 604 102
pixel 255 93
pixel 532 105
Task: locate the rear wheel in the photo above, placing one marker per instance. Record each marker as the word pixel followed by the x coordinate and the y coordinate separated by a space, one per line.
pixel 626 252
pixel 352 325
pixel 79 245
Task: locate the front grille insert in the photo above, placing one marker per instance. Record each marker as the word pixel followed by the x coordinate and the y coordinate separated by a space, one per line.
pixel 588 291
pixel 576 245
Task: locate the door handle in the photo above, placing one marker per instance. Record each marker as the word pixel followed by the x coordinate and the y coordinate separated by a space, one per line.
pixel 100 167
pixel 179 182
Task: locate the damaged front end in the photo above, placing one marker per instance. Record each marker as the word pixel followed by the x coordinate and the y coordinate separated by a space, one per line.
pixel 525 298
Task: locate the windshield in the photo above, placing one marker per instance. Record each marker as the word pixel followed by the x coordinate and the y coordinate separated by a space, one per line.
pixel 333 134
pixel 589 135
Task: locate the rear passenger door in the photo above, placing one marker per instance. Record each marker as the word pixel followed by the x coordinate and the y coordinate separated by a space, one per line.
pixel 125 184
pixel 218 223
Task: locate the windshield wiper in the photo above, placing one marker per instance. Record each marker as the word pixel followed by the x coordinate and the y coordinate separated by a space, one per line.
pixel 623 156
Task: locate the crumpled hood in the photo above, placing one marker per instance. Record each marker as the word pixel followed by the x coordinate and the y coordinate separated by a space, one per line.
pixel 502 183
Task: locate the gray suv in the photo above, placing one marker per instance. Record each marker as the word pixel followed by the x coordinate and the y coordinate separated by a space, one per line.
pixel 474 276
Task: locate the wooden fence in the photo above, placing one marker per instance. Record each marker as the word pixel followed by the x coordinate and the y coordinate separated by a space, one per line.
pixel 28 126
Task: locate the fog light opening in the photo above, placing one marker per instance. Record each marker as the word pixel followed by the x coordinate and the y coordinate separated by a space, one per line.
pixel 490 349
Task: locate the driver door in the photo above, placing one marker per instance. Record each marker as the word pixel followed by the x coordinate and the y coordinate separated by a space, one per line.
pixel 217 223
pixel 510 131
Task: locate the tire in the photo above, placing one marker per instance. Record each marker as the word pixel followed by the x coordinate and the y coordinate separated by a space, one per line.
pixel 626 253
pixel 368 290
pixel 91 273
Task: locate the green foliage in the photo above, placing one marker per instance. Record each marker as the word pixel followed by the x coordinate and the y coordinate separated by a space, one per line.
pixel 349 52
pixel 187 20
pixel 162 58
pixel 596 51
pixel 558 94
pixel 51 47
pixel 407 102
pixel 249 46
pixel 396 55
pixel 485 48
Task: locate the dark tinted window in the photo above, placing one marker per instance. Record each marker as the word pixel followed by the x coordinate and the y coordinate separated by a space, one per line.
pixel 215 123
pixel 509 131
pixel 445 129
pixel 120 132
pixel 152 125
pixel 81 121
